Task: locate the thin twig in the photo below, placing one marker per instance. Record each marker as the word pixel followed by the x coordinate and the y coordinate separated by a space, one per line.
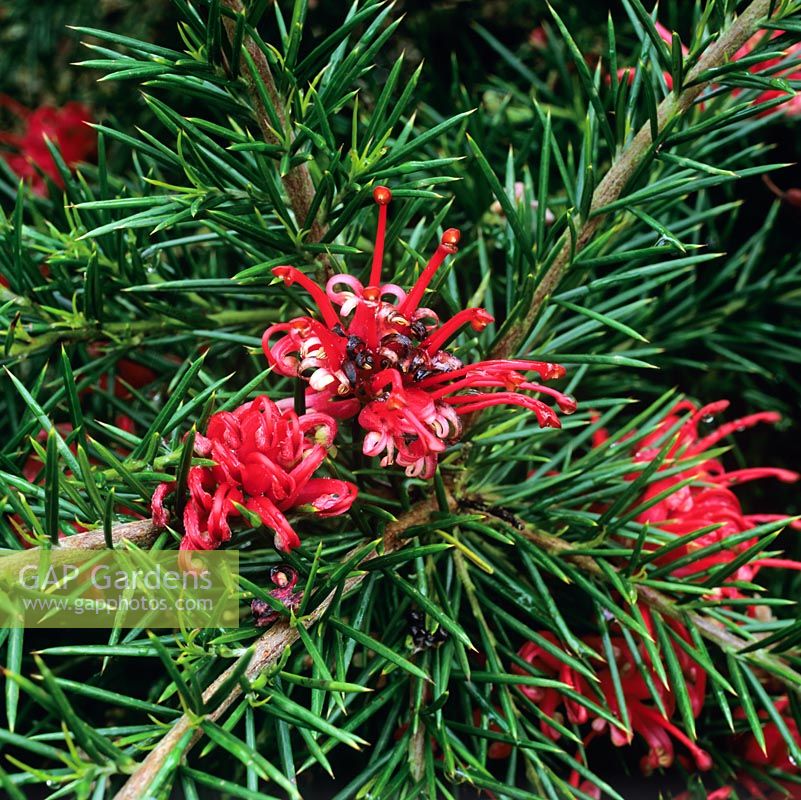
pixel 626 164
pixel 23 345
pixel 268 650
pixel 141 533
pixel 297 182
pixel 709 629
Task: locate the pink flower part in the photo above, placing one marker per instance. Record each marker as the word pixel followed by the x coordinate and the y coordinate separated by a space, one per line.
pixel 67 127
pixel 667 36
pixel 377 352
pixel 538 38
pixel 520 191
pixel 265 460
pixel 709 499
pixel 626 74
pixel 793 105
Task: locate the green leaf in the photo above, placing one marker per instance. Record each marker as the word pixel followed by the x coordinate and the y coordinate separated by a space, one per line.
pixel 13 664
pixel 250 758
pixel 52 475
pixel 387 653
pixel 177 396
pixel 587 82
pixel 188 692
pixel 430 608
pixel 506 204
pixel 737 672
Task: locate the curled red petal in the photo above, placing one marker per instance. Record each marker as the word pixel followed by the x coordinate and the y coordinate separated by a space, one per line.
pixel 329 497
pixel 160 514
pixel 285 537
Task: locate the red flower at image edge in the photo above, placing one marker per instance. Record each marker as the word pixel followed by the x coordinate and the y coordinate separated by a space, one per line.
pixel 66 127
pixel 381 356
pixel 775 757
pixel 265 459
pixel 760 764
pixel 645 718
pixel 793 104
pixel 791 107
pixel 709 500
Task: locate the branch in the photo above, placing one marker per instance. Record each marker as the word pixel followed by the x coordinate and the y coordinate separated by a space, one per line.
pixel 24 346
pixel 297 182
pixel 626 164
pixel 268 650
pixel 141 533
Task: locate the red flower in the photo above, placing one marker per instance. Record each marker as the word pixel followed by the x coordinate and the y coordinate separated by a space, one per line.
pixel 709 500
pixel 627 73
pixel 382 355
pixel 646 720
pixel 775 758
pixel 128 373
pixel 265 459
pixel 723 793
pixel 538 37
pixel 776 755
pixel 67 127
pixel 496 750
pixel 793 105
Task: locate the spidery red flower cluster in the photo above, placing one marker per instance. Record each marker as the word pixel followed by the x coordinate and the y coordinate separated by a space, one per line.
pixel 265 460
pixel 376 351
pixel 706 502
pixel 645 718
pixel 709 500
pixel 67 127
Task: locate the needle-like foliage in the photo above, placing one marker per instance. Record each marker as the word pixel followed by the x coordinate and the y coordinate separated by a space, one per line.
pixel 495 630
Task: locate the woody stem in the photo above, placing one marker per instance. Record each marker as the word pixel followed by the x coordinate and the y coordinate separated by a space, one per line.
pixel 268 651
pixel 297 181
pixel 626 164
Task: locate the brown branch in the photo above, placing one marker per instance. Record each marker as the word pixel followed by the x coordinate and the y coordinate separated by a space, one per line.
pixel 268 650
pixel 626 164
pixel 141 533
pixel 297 182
